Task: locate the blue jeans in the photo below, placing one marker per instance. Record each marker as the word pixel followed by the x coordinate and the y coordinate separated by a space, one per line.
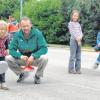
pixel 98 58
pixel 75 56
pixel 96 48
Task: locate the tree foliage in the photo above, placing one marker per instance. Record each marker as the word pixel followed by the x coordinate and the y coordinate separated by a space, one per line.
pixel 8 7
pixel 52 17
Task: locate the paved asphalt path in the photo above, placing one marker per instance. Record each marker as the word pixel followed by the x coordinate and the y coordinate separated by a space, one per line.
pixel 57 84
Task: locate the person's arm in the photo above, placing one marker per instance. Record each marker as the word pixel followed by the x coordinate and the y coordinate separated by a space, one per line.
pixel 42 46
pixel 6 47
pixel 6 44
pixel 98 39
pixel 13 47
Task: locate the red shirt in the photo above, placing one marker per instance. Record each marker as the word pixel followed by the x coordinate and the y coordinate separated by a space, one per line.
pixel 12 28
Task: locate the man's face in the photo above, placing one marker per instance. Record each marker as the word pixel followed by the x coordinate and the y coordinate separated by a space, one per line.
pixel 25 26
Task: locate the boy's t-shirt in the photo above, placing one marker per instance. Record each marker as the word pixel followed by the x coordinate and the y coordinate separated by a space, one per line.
pixel 12 27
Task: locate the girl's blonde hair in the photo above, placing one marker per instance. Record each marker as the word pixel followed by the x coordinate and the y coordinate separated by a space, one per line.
pixel 3 23
pixel 74 11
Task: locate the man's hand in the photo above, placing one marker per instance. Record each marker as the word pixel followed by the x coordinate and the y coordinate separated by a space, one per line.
pixel 24 58
pixel 30 60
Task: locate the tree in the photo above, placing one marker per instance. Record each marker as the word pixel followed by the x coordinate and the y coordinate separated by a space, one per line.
pixel 52 17
pixel 8 7
pixel 46 15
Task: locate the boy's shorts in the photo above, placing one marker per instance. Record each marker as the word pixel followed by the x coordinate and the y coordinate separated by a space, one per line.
pixel 3 67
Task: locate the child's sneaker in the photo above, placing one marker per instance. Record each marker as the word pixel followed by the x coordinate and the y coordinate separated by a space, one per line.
pixel 95 66
pixel 72 72
pixel 4 86
pixel 78 72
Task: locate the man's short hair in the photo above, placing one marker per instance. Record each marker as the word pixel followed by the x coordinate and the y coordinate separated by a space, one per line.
pixel 25 18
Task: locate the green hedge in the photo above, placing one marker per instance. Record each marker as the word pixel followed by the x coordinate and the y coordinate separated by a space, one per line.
pixel 52 17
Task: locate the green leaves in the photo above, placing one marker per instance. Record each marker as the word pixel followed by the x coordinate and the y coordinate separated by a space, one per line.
pixel 8 7
pixel 52 17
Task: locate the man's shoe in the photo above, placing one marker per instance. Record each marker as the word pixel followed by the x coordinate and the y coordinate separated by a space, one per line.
pixel 95 66
pixel 4 86
pixel 37 80
pixel 22 77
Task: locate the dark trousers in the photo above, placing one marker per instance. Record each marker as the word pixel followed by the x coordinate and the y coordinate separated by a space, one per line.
pixel 2 76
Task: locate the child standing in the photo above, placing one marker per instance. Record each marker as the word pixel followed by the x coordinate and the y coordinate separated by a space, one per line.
pixel 3 53
pixel 75 44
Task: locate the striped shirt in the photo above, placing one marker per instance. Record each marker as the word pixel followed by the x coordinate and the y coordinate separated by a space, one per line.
pixel 75 29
